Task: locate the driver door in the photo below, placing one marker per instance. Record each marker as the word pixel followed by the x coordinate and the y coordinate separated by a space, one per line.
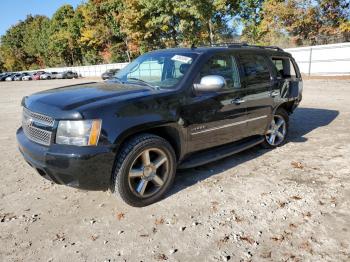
pixel 217 118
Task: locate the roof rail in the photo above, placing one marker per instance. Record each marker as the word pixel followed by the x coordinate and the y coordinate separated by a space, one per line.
pixel 243 44
pixel 267 47
pixel 224 44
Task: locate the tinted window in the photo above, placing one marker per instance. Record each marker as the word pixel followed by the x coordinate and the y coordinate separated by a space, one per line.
pixel 225 66
pixel 284 66
pixel 255 68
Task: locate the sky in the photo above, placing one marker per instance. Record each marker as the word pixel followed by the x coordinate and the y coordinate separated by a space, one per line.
pixel 11 11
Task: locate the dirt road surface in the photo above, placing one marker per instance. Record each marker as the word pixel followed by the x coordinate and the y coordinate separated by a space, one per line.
pixel 287 204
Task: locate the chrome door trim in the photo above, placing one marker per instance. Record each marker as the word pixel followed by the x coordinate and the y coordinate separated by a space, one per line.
pixel 229 125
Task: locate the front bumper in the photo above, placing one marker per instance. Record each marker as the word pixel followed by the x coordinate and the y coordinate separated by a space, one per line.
pixel 88 168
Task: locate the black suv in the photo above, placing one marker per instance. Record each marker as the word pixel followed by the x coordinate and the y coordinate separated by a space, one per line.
pixel 168 109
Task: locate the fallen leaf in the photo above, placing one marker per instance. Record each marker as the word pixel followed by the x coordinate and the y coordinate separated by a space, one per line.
pixel 161 257
pixel 296 197
pixel 278 239
pixel 291 225
pixel 93 237
pixel 120 216
pixel 159 221
pixel 282 204
pixel 247 239
pixel 308 214
pixel 297 165
pixel 60 237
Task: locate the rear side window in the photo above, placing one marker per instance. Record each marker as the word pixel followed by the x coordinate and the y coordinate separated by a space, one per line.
pixel 285 67
pixel 225 66
pixel 255 68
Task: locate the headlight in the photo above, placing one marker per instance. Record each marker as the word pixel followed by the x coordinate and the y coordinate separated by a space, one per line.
pixel 78 132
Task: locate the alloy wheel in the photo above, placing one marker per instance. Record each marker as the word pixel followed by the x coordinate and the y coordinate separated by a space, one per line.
pixel 148 172
pixel 277 131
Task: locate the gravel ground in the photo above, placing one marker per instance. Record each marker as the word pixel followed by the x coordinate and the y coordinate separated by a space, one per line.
pixel 287 204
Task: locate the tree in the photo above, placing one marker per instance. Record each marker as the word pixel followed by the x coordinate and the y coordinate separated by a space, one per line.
pixel 333 14
pixel 250 16
pixel 152 24
pixel 13 52
pixel 36 41
pixel 64 34
pixel 100 31
pixel 294 22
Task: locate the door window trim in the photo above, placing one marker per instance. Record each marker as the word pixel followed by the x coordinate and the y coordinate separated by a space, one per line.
pixel 296 69
pixel 244 77
pixel 234 61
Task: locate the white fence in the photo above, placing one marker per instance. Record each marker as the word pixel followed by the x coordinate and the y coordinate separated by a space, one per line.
pixel 88 71
pixel 331 59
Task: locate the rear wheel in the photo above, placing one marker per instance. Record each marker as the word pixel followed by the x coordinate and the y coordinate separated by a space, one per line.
pixel 144 170
pixel 278 129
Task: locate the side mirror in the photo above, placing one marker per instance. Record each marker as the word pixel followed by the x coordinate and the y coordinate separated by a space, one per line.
pixel 210 83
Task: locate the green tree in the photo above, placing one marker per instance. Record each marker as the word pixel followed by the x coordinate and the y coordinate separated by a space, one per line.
pixel 14 55
pixel 64 35
pixel 36 41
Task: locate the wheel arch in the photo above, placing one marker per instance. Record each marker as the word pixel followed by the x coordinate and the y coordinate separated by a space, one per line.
pixel 288 106
pixel 170 132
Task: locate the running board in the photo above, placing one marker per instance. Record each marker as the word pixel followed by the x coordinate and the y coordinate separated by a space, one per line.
pixel 216 153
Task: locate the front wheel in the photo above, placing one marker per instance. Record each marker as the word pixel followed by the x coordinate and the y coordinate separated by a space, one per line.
pixel 278 129
pixel 144 170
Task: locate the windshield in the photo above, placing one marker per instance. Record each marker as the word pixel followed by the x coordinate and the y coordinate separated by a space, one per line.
pixel 159 70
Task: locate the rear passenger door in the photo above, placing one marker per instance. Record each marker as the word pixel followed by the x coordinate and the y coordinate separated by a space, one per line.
pixel 256 80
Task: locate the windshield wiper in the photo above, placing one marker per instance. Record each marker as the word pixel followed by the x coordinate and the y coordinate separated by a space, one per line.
pixel 143 82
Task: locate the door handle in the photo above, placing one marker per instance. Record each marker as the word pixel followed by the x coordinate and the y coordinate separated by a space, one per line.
pixel 237 101
pixel 275 93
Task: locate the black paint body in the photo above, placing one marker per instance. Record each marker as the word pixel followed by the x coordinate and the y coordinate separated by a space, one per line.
pixel 179 114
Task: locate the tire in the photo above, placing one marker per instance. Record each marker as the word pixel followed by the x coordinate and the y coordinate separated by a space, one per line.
pixel 280 133
pixel 138 179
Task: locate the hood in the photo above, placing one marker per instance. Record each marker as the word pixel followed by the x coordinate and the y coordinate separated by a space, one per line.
pixel 65 102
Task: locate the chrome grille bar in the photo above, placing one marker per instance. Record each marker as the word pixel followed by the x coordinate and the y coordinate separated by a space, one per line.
pixel 34 133
pixel 39 118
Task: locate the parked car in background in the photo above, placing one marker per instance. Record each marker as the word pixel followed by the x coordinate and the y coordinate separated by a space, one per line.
pixel 37 75
pixel 46 76
pixel 12 77
pixel 54 75
pixel 17 77
pixel 27 77
pixel 109 74
pixel 58 75
pixel 4 76
pixel 69 74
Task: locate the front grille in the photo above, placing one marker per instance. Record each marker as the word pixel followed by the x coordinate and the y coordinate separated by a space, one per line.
pixel 39 118
pixel 34 133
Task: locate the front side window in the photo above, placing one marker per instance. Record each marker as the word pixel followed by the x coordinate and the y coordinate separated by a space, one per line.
pixel 162 70
pixel 256 69
pixel 225 66
pixel 285 67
